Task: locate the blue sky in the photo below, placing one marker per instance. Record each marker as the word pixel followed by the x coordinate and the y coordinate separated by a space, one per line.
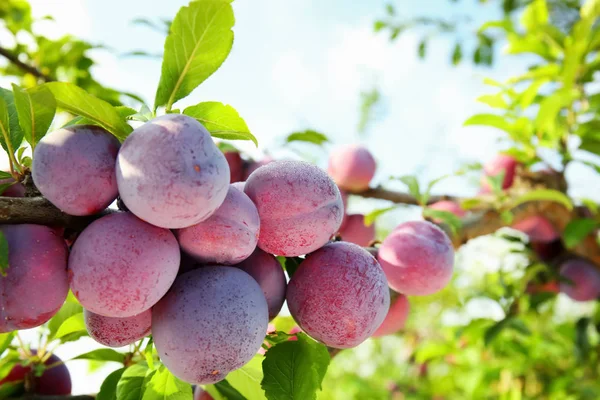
pixel 300 64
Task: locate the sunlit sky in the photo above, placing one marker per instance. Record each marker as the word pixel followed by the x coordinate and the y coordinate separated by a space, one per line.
pixel 299 64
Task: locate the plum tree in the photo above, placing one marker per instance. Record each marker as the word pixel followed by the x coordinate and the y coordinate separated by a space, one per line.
pixel 294 220
pixel 89 150
pixel 185 176
pixel 236 166
pixel 502 163
pixel 228 236
pixel 121 266
pixel 538 228
pixel 220 308
pixel 36 283
pixel 395 318
pixel 352 167
pixel 580 280
pixel 53 381
pixel 339 295
pixel 254 165
pixel 418 258
pixel 267 271
pixel 355 231
pixel 118 332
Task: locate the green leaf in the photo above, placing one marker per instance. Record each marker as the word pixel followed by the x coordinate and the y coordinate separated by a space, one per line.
pixel 3 188
pixel 495 121
pixel 545 195
pixel 535 15
pixel 77 101
pixel 11 134
pixel 582 339
pixel 102 355
pixel 144 115
pixel 131 386
pixel 496 181
pixel 73 324
pixel 468 204
pixel 371 217
pixel 379 25
pixel 431 351
pixel 69 308
pixel 5 175
pixel 165 386
pixel 457 54
pixel 369 99
pixel 290 264
pixel 493 331
pixel 125 112
pixel 222 121
pixel 446 217
pixel 228 391
pixel 590 145
pixel 5 341
pixel 149 353
pixel 36 108
pixel 3 254
pixel 528 95
pixel 549 70
pixel 422 48
pixel 199 41
pixel 413 186
pixel 492 82
pixel 591 205
pixel 9 389
pixel 247 380
pixel 295 370
pixel 427 193
pixel 309 136
pixel 493 100
pixel 551 106
pixel 278 337
pixel 284 323
pixel 108 390
pixel 8 361
pixel 577 230
pixel 507 217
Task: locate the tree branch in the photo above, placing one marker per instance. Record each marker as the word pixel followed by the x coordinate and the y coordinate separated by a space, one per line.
pixel 397 197
pixel 25 67
pixel 38 210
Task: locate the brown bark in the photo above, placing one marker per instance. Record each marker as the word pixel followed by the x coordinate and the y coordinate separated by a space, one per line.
pixel 38 210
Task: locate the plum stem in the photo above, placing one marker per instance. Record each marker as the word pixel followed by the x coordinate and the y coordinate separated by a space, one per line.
pixel 22 345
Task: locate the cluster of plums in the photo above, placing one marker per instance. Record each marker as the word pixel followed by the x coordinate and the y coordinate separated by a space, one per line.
pixel 192 260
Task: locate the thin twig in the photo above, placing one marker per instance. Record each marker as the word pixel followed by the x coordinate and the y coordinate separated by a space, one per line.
pixel 397 197
pixel 25 67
